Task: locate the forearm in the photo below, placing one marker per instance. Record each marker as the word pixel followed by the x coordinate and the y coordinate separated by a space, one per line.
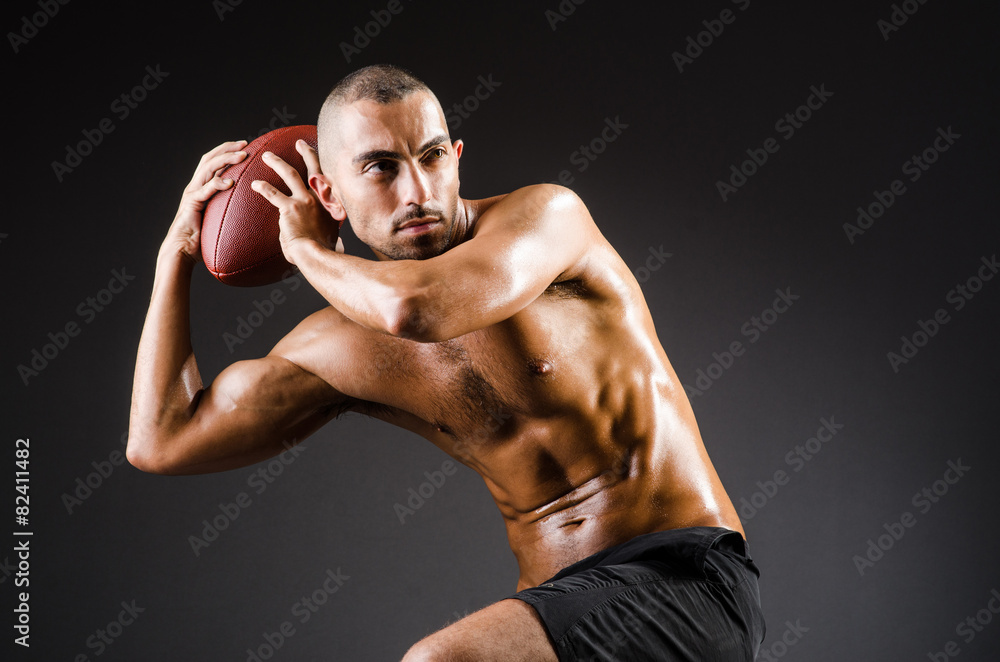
pixel 166 374
pixel 379 295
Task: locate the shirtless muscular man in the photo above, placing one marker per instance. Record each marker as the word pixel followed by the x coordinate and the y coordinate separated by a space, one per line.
pixel 627 543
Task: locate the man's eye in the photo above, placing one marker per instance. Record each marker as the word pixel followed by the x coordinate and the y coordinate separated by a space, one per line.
pixel 380 167
pixel 437 153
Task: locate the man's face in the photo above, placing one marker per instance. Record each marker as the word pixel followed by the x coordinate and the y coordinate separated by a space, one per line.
pixel 395 176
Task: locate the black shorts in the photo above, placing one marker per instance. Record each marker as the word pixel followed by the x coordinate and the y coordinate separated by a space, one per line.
pixel 683 594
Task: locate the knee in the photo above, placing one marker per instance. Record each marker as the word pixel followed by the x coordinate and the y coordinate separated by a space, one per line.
pixel 433 649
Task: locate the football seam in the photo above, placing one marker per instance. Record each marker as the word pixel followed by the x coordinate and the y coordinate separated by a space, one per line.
pixel 255 266
pixel 215 256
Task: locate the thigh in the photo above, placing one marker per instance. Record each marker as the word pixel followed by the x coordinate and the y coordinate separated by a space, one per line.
pixel 509 630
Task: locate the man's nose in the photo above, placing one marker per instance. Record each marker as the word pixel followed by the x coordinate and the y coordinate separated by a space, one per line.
pixel 415 185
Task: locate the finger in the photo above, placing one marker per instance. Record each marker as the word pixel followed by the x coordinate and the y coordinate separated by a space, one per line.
pixel 230 146
pixel 215 165
pixel 309 155
pixel 273 195
pixel 288 174
pixel 221 161
pixel 208 189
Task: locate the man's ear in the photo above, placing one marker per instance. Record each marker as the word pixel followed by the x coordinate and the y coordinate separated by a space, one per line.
pixel 457 146
pixel 329 200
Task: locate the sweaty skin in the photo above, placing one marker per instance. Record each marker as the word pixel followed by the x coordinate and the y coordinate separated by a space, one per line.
pixel 507 331
pixel 569 410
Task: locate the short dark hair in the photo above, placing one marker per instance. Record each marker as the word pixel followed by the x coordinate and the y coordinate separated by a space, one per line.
pixel 381 83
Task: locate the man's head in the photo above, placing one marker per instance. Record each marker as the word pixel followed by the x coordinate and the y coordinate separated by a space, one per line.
pixel 388 163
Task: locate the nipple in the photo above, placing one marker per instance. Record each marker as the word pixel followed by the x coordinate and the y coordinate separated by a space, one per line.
pixel 539 367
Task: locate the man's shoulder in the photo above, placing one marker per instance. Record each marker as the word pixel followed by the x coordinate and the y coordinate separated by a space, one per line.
pixel 535 203
pixel 326 342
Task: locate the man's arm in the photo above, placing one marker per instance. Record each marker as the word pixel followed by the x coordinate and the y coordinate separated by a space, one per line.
pixel 253 410
pixel 519 247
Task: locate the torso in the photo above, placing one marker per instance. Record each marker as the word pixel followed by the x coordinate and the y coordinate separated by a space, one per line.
pixel 569 410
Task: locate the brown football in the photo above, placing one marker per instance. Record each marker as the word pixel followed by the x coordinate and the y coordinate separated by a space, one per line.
pixel 239 233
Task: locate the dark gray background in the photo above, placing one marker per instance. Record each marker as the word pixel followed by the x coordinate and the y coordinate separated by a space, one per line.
pixel 654 186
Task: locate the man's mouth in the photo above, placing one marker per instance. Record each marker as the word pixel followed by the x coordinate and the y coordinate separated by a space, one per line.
pixel 418 225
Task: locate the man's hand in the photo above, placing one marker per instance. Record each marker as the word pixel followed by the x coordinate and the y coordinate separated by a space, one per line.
pixel 184 236
pixel 302 217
